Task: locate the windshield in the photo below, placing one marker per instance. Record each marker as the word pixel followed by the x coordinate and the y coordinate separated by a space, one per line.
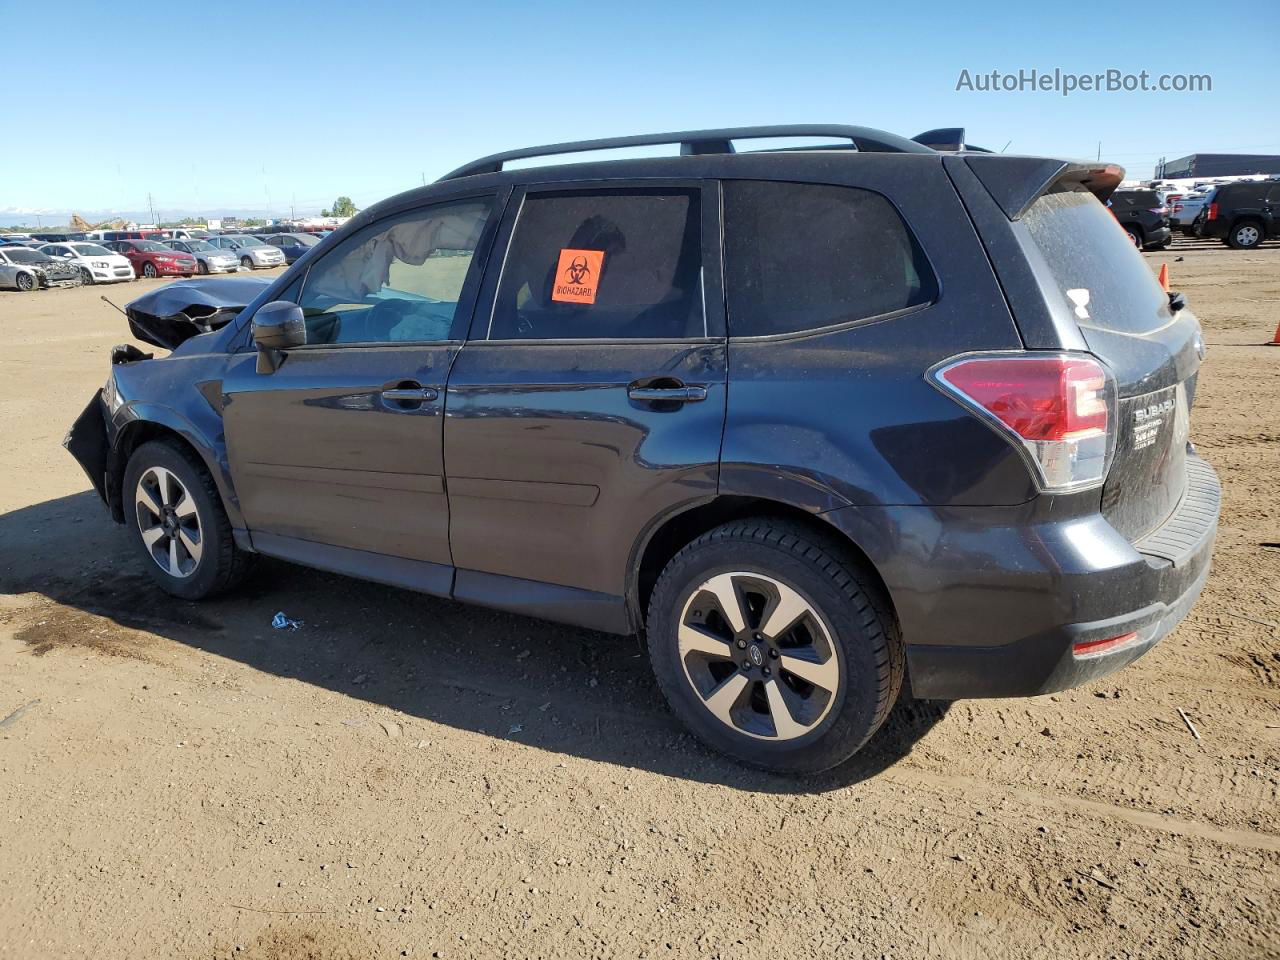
pixel 200 245
pixel 150 246
pixel 90 250
pixel 26 255
pixel 248 241
pixel 1095 264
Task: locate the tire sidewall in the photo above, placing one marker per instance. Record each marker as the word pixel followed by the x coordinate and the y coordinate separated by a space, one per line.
pixel 851 719
pixel 1235 232
pixel 203 581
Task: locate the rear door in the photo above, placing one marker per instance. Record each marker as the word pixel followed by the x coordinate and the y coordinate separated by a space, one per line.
pixel 590 398
pixel 337 454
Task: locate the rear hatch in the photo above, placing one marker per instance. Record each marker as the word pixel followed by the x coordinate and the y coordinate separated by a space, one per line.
pixel 1153 351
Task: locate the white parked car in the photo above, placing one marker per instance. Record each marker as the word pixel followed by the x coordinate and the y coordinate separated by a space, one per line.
pixel 251 251
pixel 210 258
pixel 97 264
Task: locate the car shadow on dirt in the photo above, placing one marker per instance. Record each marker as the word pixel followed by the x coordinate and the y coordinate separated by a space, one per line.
pixel 558 688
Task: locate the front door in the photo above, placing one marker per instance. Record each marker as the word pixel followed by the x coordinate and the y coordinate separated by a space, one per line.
pixel 337 454
pixel 590 398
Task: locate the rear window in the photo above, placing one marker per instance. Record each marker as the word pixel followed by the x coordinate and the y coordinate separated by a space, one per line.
pixel 802 256
pixel 1095 264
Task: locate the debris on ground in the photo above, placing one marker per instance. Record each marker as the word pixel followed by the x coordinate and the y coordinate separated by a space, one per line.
pixel 281 622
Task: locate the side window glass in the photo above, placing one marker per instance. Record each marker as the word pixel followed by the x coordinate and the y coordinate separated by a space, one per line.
pixel 804 256
pixel 603 264
pixel 396 281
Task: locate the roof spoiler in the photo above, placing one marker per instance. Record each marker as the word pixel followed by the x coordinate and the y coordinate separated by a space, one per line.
pixel 950 139
pixel 1017 182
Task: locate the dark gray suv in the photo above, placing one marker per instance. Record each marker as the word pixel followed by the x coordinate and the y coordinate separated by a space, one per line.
pixel 815 422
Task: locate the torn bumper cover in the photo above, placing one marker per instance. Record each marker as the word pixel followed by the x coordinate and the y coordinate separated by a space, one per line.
pixel 87 442
pixel 175 313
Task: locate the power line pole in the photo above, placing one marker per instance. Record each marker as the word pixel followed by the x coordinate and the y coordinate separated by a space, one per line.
pixel 152 205
pixel 1099 151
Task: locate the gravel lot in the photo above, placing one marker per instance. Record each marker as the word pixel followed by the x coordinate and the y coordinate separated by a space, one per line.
pixel 409 776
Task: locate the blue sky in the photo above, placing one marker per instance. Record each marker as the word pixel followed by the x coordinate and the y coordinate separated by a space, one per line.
pixel 273 104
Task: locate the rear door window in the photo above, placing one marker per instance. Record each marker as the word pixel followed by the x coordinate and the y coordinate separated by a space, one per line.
pixel 805 256
pixel 603 264
pixel 1096 267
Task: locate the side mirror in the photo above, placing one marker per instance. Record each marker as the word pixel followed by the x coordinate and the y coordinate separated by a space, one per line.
pixel 1176 301
pixel 277 326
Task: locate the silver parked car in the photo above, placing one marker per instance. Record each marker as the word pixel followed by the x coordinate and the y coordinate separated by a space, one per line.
pixel 251 251
pixel 210 259
pixel 22 268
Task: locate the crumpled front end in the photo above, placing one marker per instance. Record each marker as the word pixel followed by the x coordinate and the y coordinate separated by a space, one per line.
pixel 173 314
pixel 88 442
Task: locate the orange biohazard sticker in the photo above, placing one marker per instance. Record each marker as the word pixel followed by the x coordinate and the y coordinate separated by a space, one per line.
pixel 577 276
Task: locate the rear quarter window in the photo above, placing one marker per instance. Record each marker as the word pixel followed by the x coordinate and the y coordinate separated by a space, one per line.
pixel 1095 265
pixel 804 256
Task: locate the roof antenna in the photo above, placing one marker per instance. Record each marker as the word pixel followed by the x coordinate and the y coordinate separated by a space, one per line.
pixel 109 303
pixel 1005 147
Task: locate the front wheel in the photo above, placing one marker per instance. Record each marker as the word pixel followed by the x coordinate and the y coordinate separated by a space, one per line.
pixel 149 270
pixel 86 276
pixel 246 262
pixel 1245 236
pixel 177 522
pixel 203 267
pixel 772 647
pixel 25 281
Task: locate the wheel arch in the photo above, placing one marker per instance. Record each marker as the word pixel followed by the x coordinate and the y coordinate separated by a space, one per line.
pixel 671 534
pixel 151 422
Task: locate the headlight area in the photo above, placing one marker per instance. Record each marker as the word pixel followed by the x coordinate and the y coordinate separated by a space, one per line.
pixel 111 395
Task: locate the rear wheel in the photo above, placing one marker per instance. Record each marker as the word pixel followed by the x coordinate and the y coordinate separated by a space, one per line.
pixel 772 647
pixel 1135 236
pixel 1245 236
pixel 176 519
pixel 149 270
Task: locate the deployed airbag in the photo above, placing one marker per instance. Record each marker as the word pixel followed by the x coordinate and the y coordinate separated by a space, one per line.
pixel 179 311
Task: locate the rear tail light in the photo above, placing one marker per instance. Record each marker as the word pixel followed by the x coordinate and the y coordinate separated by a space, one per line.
pixel 1057 408
pixel 1213 212
pixel 1159 211
pixel 1177 207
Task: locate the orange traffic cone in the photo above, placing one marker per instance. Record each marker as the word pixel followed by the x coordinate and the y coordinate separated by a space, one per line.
pixel 1275 337
pixel 1164 277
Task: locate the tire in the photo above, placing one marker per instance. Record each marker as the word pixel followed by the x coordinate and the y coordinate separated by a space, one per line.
pixel 1245 235
pixel 189 514
pixel 149 270
pixel 246 262
pixel 202 267
pixel 25 282
pixel 1166 245
pixel 86 276
pixel 1135 236
pixel 842 635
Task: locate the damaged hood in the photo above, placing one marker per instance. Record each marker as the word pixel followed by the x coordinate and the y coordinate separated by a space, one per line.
pixel 177 312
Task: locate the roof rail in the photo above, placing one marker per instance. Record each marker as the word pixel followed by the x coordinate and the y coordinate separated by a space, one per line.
pixel 694 142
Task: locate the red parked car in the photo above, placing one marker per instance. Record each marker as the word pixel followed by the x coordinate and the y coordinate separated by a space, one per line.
pixel 151 259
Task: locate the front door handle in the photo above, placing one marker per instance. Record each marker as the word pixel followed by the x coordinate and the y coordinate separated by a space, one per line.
pixel 407 395
pixel 679 394
pixel 410 394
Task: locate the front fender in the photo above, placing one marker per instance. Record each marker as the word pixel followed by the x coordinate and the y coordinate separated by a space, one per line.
pixel 206 438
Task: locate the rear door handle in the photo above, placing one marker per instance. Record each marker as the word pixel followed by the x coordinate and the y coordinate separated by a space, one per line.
pixel 667 394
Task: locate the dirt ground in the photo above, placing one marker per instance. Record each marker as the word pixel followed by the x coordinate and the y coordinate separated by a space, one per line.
pixel 404 776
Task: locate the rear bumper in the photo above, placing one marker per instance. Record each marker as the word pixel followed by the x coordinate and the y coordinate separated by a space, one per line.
pixel 1158 236
pixel 993 609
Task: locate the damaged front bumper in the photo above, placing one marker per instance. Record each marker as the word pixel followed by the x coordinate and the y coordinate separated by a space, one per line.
pixel 88 442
